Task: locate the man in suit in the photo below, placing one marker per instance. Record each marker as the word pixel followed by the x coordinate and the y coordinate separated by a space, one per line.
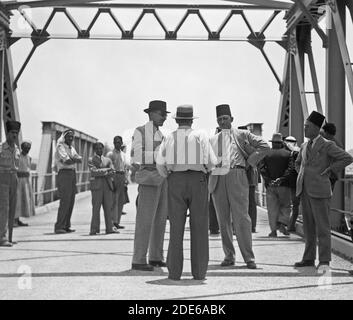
pixel 152 205
pixel 185 157
pixel 229 184
pixel 9 163
pixel 317 158
pixel 101 186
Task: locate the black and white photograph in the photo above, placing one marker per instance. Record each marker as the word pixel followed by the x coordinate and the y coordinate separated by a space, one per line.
pixel 176 156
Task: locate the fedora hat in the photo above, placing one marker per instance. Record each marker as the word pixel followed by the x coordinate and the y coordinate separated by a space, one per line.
pixel 157 105
pixel 277 137
pixel 185 112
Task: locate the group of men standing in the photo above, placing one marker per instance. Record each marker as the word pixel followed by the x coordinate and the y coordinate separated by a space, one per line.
pixel 176 174
pixel 181 173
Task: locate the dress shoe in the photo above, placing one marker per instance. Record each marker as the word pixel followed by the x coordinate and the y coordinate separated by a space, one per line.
pixel 157 263
pixel 350 272
pixel 5 244
pixel 174 279
pixel 142 267
pixel 291 229
pixel 273 234
pixel 93 233
pixel 304 263
pixel 253 230
pixel 199 278
pixel 21 224
pixel 323 263
pixel 227 263
pixel 123 213
pixel 60 231
pixel 283 230
pixel 214 232
pixel 120 227
pixel 114 230
pixel 251 265
pixel 69 230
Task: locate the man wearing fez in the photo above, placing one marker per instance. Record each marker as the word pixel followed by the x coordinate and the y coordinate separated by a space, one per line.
pixel 185 157
pixel 25 201
pixel 229 184
pixel 66 158
pixel 9 162
pixel 152 206
pixel 101 185
pixel 317 158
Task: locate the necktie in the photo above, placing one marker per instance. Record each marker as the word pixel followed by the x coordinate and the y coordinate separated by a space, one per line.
pixel 309 149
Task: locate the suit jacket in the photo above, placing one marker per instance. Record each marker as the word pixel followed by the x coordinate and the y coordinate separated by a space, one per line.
pixel 253 147
pixel 325 154
pixel 99 166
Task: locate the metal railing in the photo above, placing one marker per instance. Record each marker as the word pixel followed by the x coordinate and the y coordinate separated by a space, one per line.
pixel 48 191
pixel 344 226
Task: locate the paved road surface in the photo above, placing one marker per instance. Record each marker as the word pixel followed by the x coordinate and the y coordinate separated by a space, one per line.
pixel 79 266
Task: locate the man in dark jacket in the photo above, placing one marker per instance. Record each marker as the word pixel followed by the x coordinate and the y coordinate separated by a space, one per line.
pixel 274 169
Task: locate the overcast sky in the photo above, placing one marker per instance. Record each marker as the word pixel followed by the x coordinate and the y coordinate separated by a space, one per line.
pixel 101 87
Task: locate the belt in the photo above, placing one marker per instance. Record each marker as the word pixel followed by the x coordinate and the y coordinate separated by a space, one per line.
pixel 237 167
pixel 67 169
pixel 119 172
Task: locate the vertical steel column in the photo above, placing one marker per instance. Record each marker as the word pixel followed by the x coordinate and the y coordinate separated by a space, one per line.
pixel 336 99
pixel 2 68
pixel 298 106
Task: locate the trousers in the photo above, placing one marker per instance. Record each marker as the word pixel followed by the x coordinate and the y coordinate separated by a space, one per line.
pixel 188 190
pixel 67 191
pixel 231 197
pixel 102 197
pixel 278 206
pixel 8 195
pixel 118 197
pixel 316 225
pixel 151 216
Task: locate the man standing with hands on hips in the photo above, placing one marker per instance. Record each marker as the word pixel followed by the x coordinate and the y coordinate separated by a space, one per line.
pixel 317 159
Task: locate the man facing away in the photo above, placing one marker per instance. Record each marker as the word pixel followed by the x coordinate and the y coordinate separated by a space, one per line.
pixel 117 156
pixel 229 184
pixel 9 162
pixel 317 158
pixel 66 158
pixel 152 205
pixel 25 201
pixel 185 157
pixel 101 186
pixel 275 171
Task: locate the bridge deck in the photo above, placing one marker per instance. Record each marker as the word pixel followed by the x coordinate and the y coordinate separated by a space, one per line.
pixel 78 266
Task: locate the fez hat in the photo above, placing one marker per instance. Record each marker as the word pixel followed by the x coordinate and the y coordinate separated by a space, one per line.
pixel 157 105
pixel 277 137
pixel 185 112
pixel 13 126
pixel 290 139
pixel 223 110
pixel 316 118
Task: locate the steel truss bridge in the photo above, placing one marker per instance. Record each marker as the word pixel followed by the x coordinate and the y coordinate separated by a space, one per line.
pixel 302 19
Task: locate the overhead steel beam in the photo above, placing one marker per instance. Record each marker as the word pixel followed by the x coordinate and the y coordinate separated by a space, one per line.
pixel 269 3
pixel 103 3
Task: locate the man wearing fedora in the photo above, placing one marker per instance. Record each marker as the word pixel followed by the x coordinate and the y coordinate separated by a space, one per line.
pixel 185 157
pixel 152 206
pixel 9 163
pixel 275 169
pixel 229 184
pixel 317 158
